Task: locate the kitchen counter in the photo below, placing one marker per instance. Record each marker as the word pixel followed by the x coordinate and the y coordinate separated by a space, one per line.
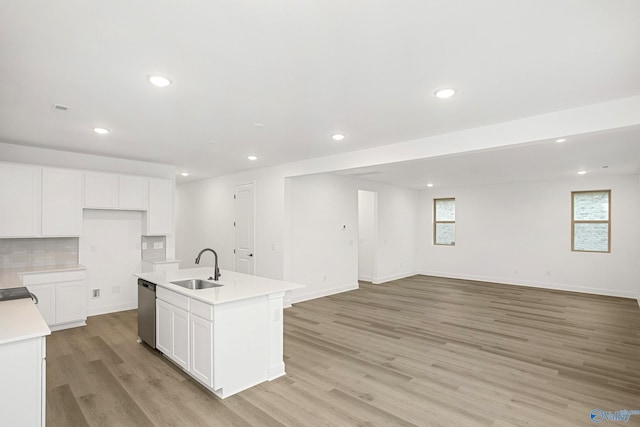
pixel 235 286
pixel 21 320
pixel 228 338
pixel 11 278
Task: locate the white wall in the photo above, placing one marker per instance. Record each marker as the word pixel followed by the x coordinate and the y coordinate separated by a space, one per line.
pixel 520 233
pixel 367 234
pixel 324 254
pixel 110 249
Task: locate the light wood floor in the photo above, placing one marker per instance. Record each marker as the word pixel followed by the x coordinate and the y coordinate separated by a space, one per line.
pixel 419 351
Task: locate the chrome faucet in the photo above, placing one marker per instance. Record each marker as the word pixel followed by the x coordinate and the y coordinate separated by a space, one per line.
pixel 216 270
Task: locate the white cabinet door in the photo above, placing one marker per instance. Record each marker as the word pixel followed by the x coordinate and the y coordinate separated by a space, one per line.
pixel 46 301
pixel 180 325
pixel 100 190
pixel 70 302
pixel 160 213
pixel 19 200
pixel 202 350
pixel 61 202
pixel 134 193
pixel 164 334
pixel 23 382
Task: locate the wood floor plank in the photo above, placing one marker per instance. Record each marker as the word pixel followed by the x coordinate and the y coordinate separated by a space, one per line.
pixel 420 351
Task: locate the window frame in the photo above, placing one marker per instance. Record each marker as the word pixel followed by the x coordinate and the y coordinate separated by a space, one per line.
pixel 599 221
pixel 436 222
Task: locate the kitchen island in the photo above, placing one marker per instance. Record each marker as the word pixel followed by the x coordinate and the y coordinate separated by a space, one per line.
pixel 228 337
pixel 22 363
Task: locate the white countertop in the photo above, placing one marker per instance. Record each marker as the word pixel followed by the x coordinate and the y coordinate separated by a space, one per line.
pixel 11 278
pixel 235 286
pixel 21 320
pixel 162 261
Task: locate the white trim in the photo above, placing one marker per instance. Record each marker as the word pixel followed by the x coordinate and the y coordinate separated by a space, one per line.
pixel 104 309
pixel 545 285
pixel 638 298
pixel 365 278
pixel 392 277
pixel 324 292
pixel 68 325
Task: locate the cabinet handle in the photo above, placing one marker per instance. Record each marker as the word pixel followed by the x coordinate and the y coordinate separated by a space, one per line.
pixel 34 297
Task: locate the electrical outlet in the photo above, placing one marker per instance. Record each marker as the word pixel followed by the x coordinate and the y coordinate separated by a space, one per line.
pixel 96 293
pixel 144 246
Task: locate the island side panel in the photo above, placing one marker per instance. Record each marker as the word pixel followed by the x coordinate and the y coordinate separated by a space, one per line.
pixel 241 348
pixel 276 363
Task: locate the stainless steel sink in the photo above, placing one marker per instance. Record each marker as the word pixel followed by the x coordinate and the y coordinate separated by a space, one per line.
pixel 196 284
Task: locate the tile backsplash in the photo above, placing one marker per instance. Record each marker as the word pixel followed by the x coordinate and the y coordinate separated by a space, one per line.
pixel 154 248
pixel 45 252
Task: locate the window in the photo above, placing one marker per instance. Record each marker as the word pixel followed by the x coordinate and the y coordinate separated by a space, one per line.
pixel 590 225
pixel 444 222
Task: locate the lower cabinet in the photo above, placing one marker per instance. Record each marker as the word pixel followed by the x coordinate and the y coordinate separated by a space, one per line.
pixel 61 299
pixel 202 350
pixel 172 328
pixel 23 373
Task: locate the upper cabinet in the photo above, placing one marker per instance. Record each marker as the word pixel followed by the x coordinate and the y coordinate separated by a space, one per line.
pixel 61 202
pixel 111 191
pixel 134 193
pixel 100 190
pixel 38 201
pixel 160 213
pixel 19 200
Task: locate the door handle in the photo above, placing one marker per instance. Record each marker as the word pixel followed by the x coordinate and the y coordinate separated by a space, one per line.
pixel 250 255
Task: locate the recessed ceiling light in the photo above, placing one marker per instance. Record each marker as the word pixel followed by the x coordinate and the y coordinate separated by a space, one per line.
pixel 159 81
pixel 337 137
pixel 252 158
pixel 429 185
pixel 185 174
pixel 445 93
pixel 561 140
pixel 258 125
pixel 101 131
pixel 581 172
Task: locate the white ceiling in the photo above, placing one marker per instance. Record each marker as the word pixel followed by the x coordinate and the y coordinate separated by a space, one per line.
pixel 618 151
pixel 304 69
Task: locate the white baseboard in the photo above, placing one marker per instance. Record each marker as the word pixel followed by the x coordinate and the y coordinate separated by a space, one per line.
pixel 105 309
pixel 638 299
pixel 323 293
pixel 365 278
pixel 393 277
pixel 544 285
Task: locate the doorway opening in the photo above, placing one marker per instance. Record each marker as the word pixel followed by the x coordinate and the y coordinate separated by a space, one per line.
pixel 367 235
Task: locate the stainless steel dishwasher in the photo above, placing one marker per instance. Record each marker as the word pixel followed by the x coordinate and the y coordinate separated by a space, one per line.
pixel 147 312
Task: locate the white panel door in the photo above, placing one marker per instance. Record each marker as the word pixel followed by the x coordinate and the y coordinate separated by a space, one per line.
pixel 160 213
pixel 133 192
pixel 19 200
pixel 164 332
pixel 244 225
pixel 46 301
pixel 61 202
pixel 100 190
pixel 180 327
pixel 202 350
pixel 70 298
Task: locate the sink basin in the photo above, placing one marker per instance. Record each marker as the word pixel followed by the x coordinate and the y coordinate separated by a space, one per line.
pixel 196 284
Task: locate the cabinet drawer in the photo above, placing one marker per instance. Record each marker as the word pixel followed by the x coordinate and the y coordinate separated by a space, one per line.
pixel 60 276
pixel 201 309
pixel 173 298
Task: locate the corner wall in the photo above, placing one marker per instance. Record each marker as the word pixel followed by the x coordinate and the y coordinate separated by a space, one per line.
pixel 520 233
